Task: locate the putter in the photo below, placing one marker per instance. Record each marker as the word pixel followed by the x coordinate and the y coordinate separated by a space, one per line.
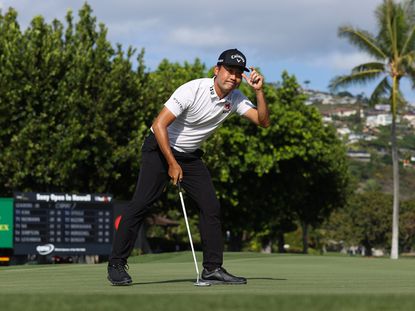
pixel 198 281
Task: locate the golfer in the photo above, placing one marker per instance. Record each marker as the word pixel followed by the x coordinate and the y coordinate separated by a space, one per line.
pixel 171 152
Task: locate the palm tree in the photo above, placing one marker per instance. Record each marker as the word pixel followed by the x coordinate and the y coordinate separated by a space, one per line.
pixel 393 53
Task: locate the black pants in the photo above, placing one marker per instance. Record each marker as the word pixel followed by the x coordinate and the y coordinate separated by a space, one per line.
pixel 151 182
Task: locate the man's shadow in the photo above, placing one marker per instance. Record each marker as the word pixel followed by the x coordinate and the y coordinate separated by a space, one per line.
pixel 193 280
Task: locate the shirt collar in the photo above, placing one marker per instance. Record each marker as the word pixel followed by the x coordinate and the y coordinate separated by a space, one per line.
pixel 212 89
pixel 214 96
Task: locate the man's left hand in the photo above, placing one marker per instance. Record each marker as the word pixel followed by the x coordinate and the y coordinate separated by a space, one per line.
pixel 255 79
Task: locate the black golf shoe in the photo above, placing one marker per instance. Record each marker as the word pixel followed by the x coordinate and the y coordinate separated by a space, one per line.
pixel 117 274
pixel 221 276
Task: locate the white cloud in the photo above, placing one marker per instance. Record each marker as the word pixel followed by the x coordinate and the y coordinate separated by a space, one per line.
pixel 282 28
pixel 200 37
pixel 132 27
pixel 338 61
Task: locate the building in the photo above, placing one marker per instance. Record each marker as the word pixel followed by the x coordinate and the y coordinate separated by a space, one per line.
pixel 410 117
pixel 340 112
pixel 381 119
pixel 359 155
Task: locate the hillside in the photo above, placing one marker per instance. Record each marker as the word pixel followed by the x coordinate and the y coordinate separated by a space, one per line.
pixel 365 129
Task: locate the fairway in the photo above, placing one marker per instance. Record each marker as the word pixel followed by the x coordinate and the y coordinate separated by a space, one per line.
pixel 165 282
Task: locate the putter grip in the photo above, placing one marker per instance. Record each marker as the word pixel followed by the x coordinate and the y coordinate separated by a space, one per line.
pixel 179 186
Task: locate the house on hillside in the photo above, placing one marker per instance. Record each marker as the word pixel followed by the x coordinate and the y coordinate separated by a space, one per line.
pixel 380 119
pixel 319 97
pixel 410 117
pixel 340 112
pixel 385 108
pixel 346 100
pixel 343 131
pixel 327 119
pixel 359 155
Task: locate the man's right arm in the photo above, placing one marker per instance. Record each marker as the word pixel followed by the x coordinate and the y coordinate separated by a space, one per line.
pixel 159 126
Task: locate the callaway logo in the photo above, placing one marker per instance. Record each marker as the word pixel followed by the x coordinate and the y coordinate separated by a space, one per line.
pixel 238 58
pixel 45 249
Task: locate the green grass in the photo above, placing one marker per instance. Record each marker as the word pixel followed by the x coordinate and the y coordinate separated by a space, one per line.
pixel 165 282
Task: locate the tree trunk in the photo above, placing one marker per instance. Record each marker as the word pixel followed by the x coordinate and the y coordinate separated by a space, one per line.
pixel 368 248
pixel 266 246
pixel 281 242
pixel 395 164
pixel 305 238
pixel 395 218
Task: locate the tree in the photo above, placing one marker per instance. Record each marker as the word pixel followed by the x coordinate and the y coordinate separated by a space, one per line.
pixel 363 222
pixel 407 226
pixel 70 107
pixel 317 179
pixel 393 50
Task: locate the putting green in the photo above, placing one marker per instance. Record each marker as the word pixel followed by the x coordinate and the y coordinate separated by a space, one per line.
pixel 165 282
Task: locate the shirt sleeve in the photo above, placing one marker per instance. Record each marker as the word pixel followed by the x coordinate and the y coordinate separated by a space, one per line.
pixel 180 100
pixel 243 104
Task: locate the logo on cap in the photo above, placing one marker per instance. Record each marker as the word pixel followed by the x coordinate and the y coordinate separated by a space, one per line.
pixel 238 58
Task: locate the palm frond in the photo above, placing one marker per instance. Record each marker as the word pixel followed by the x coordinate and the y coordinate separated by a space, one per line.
pixel 409 42
pixel 381 14
pixel 404 28
pixel 363 40
pixel 409 9
pixel 369 66
pixel 396 24
pixel 391 24
pixel 400 99
pixel 357 78
pixel 381 90
pixel 383 18
pixel 393 27
pixel 410 70
pixel 408 59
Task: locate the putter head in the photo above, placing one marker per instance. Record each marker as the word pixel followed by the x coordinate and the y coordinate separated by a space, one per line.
pixel 201 283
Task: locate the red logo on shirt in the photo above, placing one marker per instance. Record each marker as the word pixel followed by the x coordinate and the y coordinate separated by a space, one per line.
pixel 227 107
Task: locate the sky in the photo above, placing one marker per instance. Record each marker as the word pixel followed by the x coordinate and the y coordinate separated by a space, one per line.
pixel 299 36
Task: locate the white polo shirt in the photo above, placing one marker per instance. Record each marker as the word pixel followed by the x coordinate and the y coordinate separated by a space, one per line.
pixel 199 111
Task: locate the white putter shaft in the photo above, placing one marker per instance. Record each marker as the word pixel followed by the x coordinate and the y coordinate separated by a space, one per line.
pixel 198 282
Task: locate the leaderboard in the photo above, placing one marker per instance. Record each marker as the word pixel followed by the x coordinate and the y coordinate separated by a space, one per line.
pixel 62 224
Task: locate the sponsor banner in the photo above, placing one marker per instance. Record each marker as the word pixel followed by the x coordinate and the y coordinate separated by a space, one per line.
pixel 6 223
pixel 50 249
pixel 45 249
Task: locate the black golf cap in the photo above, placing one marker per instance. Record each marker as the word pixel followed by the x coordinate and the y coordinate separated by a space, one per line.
pixel 232 57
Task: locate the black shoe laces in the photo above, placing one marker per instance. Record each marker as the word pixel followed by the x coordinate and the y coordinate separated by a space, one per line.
pixel 122 268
